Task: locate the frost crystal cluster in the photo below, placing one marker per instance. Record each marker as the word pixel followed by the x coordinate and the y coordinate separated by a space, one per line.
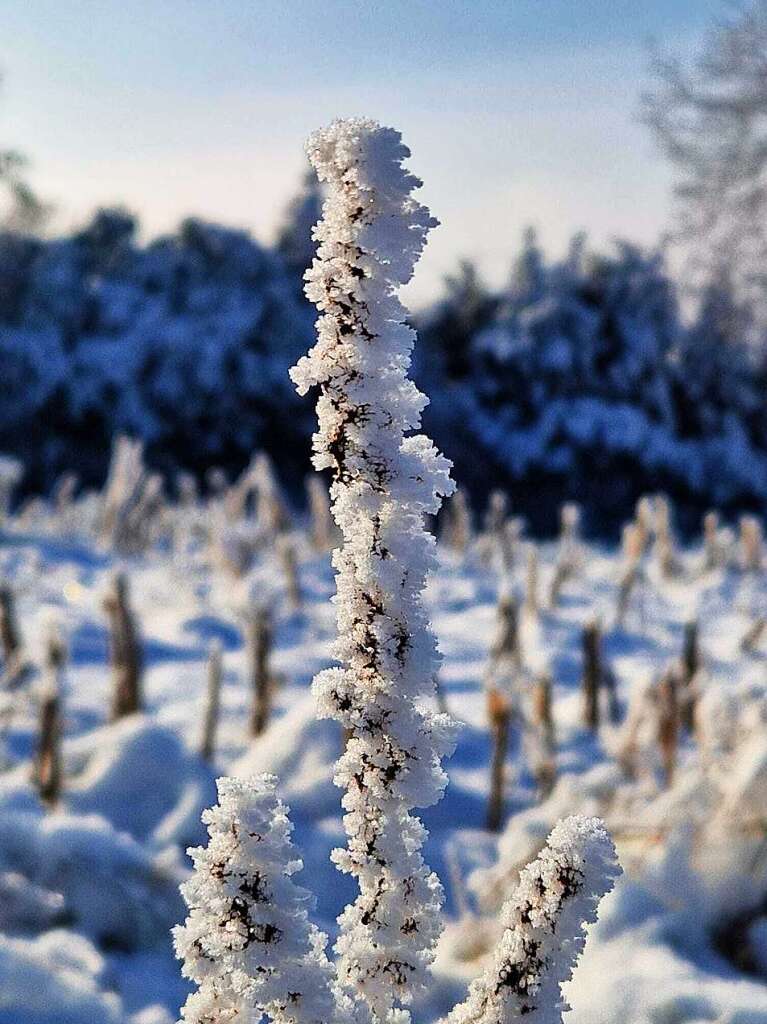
pixel 248 942
pixel 384 481
pixel 544 922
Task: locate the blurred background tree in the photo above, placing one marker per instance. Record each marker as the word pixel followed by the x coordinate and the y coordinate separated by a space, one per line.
pixel 587 378
pixel 23 211
pixel 710 119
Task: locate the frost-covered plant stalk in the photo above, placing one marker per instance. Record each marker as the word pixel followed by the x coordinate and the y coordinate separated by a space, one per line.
pixel 544 928
pixel 385 480
pixel 248 942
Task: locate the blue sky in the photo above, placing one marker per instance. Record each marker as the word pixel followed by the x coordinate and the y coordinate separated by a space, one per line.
pixel 518 112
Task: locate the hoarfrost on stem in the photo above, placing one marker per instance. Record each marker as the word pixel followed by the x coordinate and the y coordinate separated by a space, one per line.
pixel 247 941
pixel 385 479
pixel 544 935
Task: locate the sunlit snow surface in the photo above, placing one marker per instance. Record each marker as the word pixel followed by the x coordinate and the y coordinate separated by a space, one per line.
pixel 88 893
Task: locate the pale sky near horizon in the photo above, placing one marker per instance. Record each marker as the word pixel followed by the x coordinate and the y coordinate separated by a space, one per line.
pixel 518 112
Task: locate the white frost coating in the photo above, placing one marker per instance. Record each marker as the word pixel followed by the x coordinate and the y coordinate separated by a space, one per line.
pixel 544 935
pixel 247 941
pixel 384 481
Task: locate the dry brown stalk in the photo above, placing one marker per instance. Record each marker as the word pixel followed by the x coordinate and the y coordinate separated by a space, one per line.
pixel 499 719
pixel 210 722
pixel 259 645
pixel 125 651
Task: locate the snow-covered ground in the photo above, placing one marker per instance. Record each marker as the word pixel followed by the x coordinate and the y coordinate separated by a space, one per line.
pixel 89 890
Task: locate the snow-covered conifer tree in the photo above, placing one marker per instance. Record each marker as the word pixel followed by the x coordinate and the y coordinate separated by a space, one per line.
pixel 543 937
pixel 384 480
pixel 248 942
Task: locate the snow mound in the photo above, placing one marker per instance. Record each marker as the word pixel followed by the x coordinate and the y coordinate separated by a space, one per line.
pixel 139 776
pixel 635 975
pixel 80 869
pixel 55 979
pixel 301 751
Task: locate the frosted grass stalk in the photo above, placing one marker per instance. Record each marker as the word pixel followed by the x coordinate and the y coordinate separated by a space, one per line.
pixel 385 479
